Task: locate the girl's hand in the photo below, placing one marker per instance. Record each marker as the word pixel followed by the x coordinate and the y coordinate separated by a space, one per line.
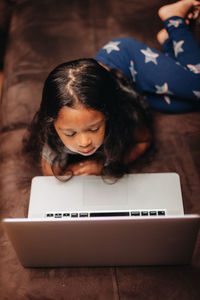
pixel 88 167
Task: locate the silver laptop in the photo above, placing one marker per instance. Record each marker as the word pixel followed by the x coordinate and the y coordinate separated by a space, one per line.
pixel 139 220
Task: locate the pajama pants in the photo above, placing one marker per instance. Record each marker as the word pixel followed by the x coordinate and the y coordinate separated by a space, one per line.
pixel 169 80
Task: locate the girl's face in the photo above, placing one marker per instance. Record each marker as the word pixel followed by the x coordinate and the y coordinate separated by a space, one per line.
pixel 81 129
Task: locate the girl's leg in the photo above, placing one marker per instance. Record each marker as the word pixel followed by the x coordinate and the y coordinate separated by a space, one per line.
pixel 187 11
pixel 150 70
pixel 167 48
pixel 165 42
pixel 154 73
pixel 186 52
pixel 172 104
pixel 181 46
pixel 178 34
pixel 166 84
pixel 186 49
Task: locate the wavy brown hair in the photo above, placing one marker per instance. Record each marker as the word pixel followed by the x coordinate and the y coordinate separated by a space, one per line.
pixel 109 92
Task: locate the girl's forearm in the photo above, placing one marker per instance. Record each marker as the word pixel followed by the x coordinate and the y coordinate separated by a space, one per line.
pixel 137 151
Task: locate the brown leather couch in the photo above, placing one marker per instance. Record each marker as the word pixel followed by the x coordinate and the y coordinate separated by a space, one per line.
pixel 42 34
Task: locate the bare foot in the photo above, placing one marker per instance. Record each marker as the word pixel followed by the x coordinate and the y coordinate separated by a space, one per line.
pixel 162 36
pixel 179 9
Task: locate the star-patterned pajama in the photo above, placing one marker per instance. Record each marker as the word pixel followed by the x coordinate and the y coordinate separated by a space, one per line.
pixel 169 80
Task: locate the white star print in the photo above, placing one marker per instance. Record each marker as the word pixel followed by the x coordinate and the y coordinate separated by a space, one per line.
pixel 167 99
pixel 163 89
pixel 174 23
pixel 132 70
pixel 194 68
pixel 150 55
pixel 197 94
pixel 111 46
pixel 178 47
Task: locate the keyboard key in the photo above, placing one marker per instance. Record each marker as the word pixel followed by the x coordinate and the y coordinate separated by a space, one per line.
pixel 109 214
pixel 58 215
pixel 153 213
pixel 161 213
pixel 49 215
pixel 144 213
pixel 74 215
pixel 66 215
pixel 135 213
pixel 82 215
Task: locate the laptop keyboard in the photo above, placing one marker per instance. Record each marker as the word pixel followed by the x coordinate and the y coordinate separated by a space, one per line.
pixel 132 213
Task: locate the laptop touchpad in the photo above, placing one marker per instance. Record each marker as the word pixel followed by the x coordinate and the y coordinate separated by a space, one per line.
pixel 104 194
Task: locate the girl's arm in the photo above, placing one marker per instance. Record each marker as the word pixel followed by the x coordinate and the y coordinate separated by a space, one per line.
pixel 87 167
pixel 46 168
pixel 143 139
pixel 137 150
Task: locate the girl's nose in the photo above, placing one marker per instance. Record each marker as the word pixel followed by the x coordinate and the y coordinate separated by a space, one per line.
pixel 84 140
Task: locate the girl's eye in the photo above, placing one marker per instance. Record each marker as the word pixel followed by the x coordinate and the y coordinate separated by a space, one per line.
pixel 70 135
pixel 94 130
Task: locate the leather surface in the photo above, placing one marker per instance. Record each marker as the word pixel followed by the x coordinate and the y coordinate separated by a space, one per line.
pixel 43 34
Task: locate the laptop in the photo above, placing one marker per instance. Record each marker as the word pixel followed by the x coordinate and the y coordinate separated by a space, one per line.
pixel 138 220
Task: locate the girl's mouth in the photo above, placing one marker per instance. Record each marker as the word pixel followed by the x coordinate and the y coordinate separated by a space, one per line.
pixel 87 152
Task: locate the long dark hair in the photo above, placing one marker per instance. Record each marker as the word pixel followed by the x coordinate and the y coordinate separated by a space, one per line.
pixel 87 82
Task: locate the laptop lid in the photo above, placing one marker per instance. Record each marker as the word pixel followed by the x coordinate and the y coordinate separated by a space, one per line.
pixel 104 241
pixel 82 194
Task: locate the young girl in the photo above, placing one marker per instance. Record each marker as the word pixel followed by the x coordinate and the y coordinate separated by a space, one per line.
pixel 91 121
pixel 88 123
